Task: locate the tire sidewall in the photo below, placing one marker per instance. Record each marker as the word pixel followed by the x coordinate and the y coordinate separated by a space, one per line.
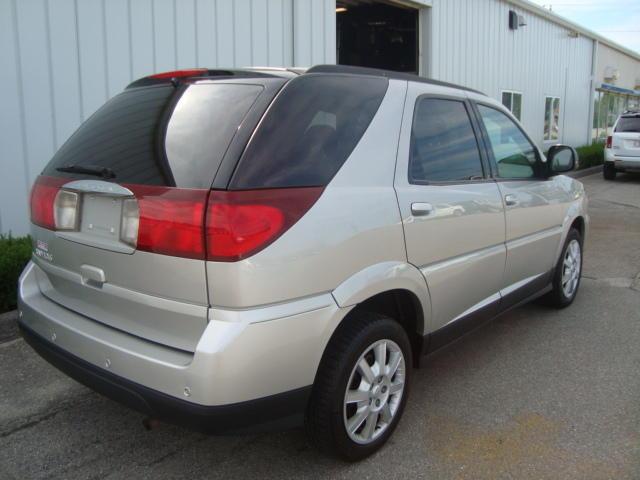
pixel 381 329
pixel 563 300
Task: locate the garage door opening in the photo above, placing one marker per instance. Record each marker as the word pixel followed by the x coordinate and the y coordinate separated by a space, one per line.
pixel 377 35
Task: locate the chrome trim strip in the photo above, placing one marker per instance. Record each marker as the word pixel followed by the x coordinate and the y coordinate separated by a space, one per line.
pixel 495 297
pixel 513 287
pixel 464 258
pixel 98 187
pixel 483 303
pixel 547 232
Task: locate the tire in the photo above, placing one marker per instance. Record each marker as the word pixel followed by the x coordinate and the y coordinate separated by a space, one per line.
pixel 609 171
pixel 561 296
pixel 360 338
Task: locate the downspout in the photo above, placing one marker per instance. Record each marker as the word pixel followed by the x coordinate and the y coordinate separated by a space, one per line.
pixel 592 89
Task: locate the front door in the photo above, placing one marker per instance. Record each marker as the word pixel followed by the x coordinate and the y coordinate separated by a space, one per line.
pixel 451 210
pixel 534 205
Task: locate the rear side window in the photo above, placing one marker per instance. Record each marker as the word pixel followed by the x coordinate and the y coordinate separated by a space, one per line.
pixel 309 131
pixel 628 124
pixel 443 143
pixel 159 135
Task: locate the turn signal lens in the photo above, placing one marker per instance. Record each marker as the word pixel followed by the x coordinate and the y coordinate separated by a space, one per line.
pixel 130 222
pixel 609 141
pixel 65 210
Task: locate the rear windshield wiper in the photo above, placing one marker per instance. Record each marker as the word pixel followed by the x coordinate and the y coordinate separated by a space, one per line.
pixel 103 172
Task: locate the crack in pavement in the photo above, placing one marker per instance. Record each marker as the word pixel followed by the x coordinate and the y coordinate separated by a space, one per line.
pixel 29 424
pixel 38 418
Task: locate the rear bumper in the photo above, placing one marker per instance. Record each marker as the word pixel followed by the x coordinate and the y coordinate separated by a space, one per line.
pixel 284 410
pixel 263 360
pixel 624 163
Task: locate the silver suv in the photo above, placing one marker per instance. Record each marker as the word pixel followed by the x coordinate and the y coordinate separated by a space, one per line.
pixel 257 249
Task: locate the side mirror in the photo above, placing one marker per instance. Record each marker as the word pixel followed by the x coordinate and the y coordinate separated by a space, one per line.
pixel 561 159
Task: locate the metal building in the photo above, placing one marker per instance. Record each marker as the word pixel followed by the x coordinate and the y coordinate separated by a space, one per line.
pixel 62 59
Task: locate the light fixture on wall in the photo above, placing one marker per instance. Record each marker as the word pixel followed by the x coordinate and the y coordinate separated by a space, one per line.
pixel 341 9
pixel 516 21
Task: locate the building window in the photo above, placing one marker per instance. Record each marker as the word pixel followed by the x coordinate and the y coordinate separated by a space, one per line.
pixel 551 119
pixel 513 101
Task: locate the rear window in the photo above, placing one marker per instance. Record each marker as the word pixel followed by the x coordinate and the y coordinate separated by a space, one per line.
pixel 628 124
pixel 309 131
pixel 159 135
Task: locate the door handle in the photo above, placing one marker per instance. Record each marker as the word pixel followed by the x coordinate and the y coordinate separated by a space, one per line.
pixel 510 200
pixel 421 209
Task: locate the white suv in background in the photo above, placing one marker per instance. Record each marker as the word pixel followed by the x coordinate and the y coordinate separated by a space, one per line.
pixel 622 152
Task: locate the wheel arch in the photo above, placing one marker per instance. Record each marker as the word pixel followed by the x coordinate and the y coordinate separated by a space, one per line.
pixel 396 289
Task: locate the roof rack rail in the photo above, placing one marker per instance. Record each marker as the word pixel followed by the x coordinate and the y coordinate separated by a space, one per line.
pixel 348 69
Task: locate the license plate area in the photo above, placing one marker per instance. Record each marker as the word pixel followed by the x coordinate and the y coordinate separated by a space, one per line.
pixel 100 223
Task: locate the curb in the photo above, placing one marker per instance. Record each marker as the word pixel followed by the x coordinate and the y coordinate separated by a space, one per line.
pixel 8 326
pixel 586 172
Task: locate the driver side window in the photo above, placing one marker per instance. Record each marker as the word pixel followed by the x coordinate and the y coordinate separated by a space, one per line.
pixel 515 156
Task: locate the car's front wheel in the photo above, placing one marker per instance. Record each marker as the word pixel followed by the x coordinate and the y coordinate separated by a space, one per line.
pixel 361 387
pixel 568 272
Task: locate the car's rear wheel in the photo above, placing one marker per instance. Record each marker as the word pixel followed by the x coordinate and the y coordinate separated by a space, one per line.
pixel 361 387
pixel 609 171
pixel 568 272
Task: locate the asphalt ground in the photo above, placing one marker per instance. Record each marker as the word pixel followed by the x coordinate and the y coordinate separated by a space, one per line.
pixel 536 394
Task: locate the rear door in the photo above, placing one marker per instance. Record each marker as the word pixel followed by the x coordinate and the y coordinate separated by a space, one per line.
pixel 534 205
pixel 140 170
pixel 626 136
pixel 451 211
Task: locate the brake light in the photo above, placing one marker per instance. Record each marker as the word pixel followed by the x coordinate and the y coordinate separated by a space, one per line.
pixel 170 220
pixel 43 200
pixel 609 141
pixel 241 223
pixel 194 72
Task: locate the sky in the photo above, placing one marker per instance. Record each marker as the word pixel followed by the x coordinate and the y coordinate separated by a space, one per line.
pixel 618 20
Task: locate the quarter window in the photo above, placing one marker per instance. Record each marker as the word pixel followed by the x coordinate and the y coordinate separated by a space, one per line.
pixel 513 101
pixel 443 143
pixel 515 156
pixel 551 119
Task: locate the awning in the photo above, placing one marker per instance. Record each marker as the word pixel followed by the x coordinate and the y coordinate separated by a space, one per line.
pixel 614 89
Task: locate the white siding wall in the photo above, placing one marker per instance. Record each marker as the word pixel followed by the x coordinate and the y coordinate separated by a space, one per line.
pixel 471 44
pixel 62 59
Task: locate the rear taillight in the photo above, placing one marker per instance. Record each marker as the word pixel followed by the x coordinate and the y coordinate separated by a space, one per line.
pixel 170 220
pixel 241 223
pixel 609 141
pixel 217 225
pixel 45 210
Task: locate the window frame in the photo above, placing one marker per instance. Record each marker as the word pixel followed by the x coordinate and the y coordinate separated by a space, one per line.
pixel 484 161
pixel 510 107
pixel 489 151
pixel 544 138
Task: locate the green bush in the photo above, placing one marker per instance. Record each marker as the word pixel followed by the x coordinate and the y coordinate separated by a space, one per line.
pixel 14 255
pixel 590 155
